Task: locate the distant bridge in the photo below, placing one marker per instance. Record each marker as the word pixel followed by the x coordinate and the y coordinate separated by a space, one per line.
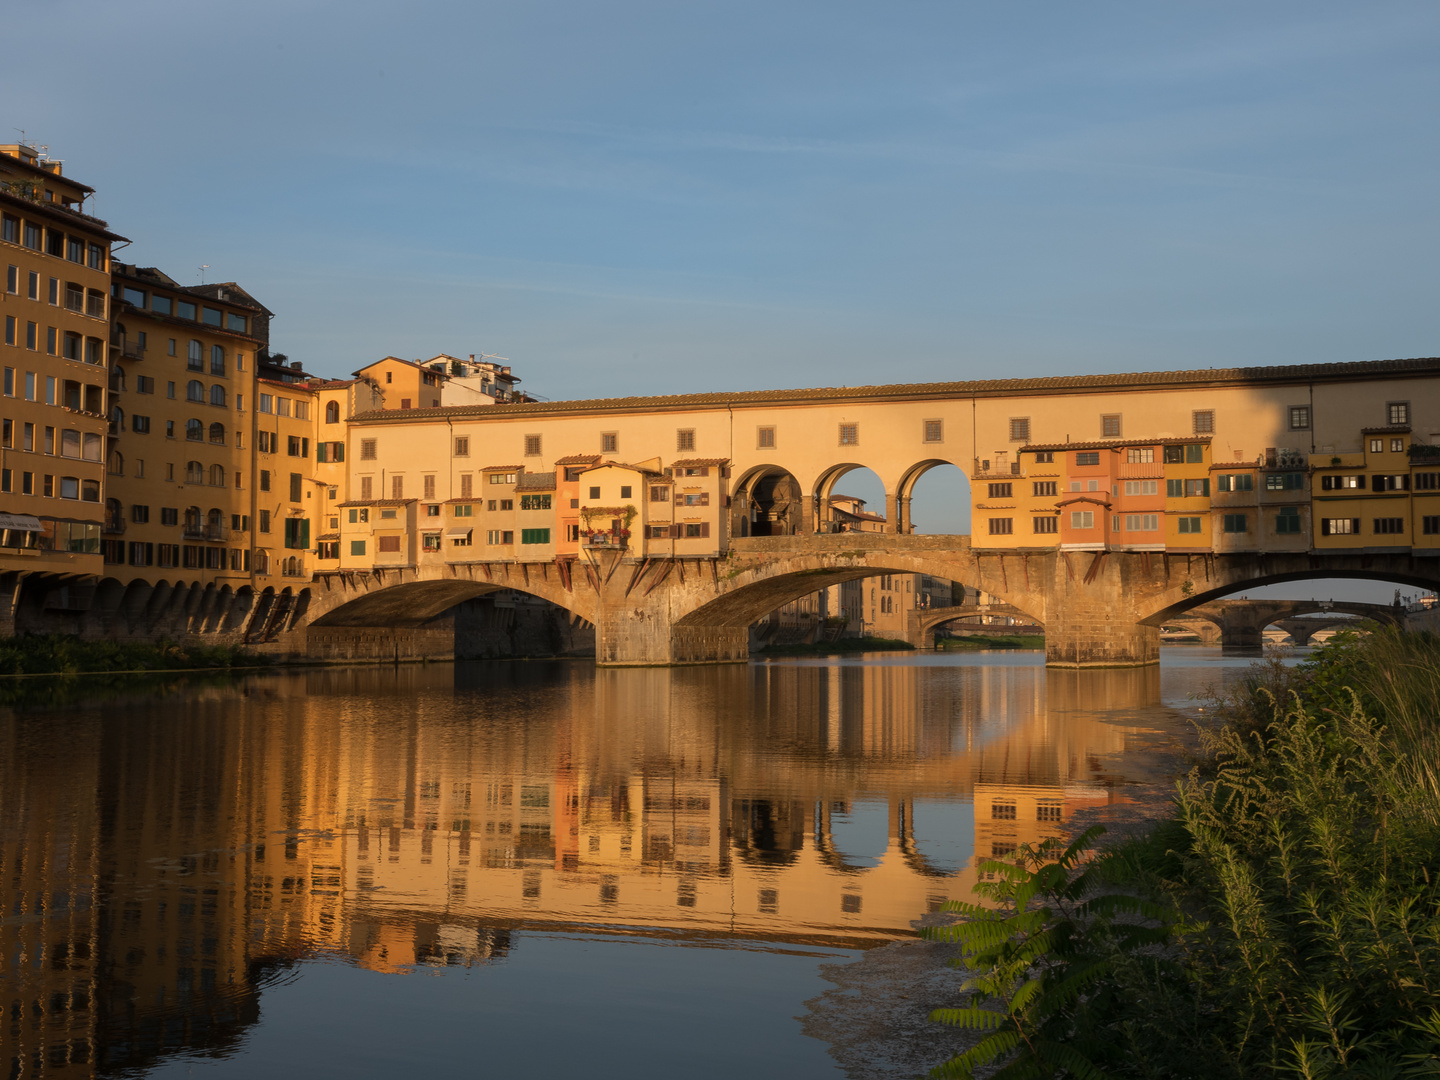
pixel 1242 623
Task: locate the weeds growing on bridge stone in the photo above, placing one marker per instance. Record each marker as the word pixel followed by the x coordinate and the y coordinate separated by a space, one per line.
pixel 1284 922
pixel 61 654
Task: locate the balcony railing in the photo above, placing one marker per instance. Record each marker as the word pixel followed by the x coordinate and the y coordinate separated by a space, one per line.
pixel 217 532
pixel 193 530
pixel 74 300
pixel 114 526
pixel 95 305
pixel 132 350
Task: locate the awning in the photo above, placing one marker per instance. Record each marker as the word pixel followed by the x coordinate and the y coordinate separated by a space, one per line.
pixel 458 530
pixel 21 523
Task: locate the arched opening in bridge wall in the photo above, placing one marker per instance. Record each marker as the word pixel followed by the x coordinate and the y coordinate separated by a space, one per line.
pixel 849 497
pixel 934 498
pixel 767 501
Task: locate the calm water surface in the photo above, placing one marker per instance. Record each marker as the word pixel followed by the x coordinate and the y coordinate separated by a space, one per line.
pixel 524 868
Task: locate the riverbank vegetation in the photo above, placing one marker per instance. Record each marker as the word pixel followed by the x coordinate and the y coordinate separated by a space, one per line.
pixel 991 641
pixel 840 645
pixel 63 654
pixel 1284 921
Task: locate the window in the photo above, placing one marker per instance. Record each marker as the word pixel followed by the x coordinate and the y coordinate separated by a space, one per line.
pixel 388 543
pixel 1142 487
pixel 534 536
pixel 1045 524
pixel 1339 526
pixel 1235 482
pixel 1430 524
pixel 1235 523
pixel 1339 483
pixel 1045 487
pixel 1398 413
pixel 694 530
pixel 849 434
pixel 1427 481
pixel 1299 417
pixel 427 484
pixel 195 430
pixel 1019 429
pixel 659 493
pixel 1287 521
pixel 685 440
pixel 1140 455
pixel 464 510
pixel 332 412
pixel 1203 421
pixel 1110 426
pixel 217 434
pixel 765 438
pixel 367 488
pixel 1391 483
pixel 609 442
pixel 505 504
pixel 532 445
pixel 1189 525
pixel 31 237
pixel 1397 446
pixel 594 493
pixel 234 323
pixel 1290 481
pixel 1001 491
pixel 462 446
pixel 534 502
pixel 357 547
pixel 1089 458
pixel 1082 519
pixel 1197 488
pixel 1002 526
pixel 1389 526
pixel 367 449
pixel 1142 522
pixel 499 536
pixel 217 360
pixel 700 499
pixel 217 395
pixel 1045 457
pixel 467 485
pixel 1376 445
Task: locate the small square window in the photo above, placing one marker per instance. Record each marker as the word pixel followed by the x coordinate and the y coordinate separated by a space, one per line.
pixel 532 445
pixel 849 434
pixel 934 431
pixel 1398 413
pixel 1110 426
pixel 594 493
pixel 685 440
pixel 609 442
pixel 462 446
pixel 1203 421
pixel 1299 417
pixel 765 438
pixel 1019 429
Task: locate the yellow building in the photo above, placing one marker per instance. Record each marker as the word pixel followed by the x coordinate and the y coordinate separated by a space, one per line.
pixel 180 489
pixel 53 359
pixel 286 500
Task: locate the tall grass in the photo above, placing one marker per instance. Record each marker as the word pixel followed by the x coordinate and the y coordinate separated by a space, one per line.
pixel 1296 890
pixel 61 654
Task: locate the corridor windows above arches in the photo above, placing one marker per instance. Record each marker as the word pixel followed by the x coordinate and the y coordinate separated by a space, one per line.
pixel 849 434
pixel 935 431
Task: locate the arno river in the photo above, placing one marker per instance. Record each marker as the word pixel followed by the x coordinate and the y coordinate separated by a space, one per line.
pixel 524 869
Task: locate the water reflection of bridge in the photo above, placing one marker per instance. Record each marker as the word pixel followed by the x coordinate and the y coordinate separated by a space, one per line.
pixel 158 863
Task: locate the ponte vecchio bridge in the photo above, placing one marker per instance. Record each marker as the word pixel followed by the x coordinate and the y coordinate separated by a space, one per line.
pixel 1101 506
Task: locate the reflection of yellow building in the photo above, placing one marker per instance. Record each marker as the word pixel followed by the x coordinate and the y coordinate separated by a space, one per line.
pixel 407 818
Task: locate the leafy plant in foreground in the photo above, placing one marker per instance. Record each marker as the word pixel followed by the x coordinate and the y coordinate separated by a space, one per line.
pixel 1042 963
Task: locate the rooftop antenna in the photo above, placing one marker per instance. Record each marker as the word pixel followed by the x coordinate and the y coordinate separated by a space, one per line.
pixel 203 268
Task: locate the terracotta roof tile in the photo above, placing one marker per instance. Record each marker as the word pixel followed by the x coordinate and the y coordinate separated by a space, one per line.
pixel 1290 373
pixel 699 463
pixel 1116 444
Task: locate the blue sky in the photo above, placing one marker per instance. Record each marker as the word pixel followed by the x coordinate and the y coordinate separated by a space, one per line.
pixel 661 198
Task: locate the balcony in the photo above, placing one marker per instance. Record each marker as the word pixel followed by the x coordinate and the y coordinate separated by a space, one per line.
pixel 193 530
pixel 74 300
pixel 114 526
pixel 217 532
pixel 132 350
pixel 95 306
pixel 608 540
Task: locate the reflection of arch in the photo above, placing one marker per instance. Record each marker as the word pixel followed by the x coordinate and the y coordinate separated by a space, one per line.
pixel 767 832
pixel 767 501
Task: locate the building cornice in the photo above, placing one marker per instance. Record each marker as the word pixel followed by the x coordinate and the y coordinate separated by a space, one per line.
pixel 1210 378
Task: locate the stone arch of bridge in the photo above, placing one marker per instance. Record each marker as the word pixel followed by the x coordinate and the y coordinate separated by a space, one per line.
pixel 367 600
pixel 756 591
pixel 767 500
pixel 1174 601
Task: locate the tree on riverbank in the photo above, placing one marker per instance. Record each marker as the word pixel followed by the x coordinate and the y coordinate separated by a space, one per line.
pixel 1285 921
